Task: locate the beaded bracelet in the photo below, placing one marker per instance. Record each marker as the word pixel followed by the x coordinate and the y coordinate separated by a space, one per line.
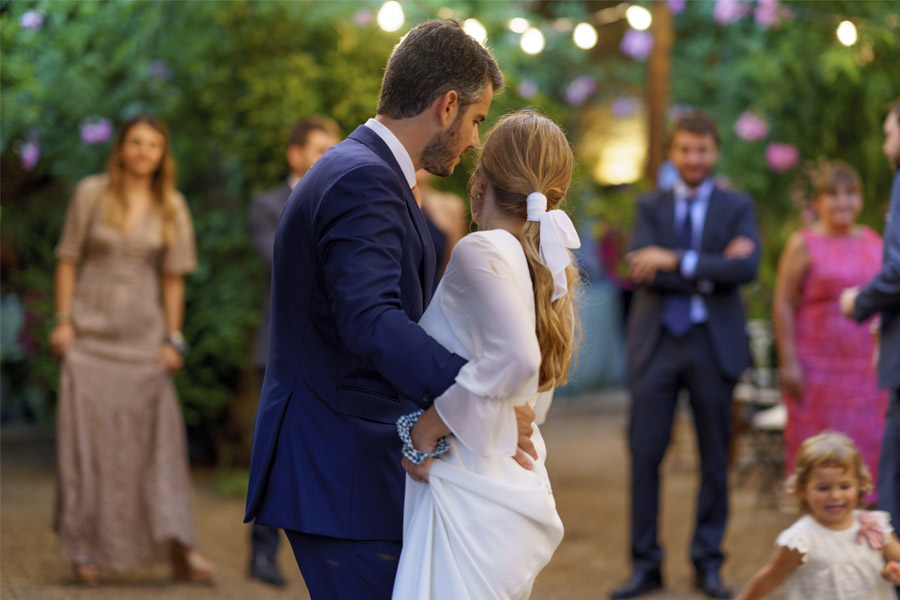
pixel 404 426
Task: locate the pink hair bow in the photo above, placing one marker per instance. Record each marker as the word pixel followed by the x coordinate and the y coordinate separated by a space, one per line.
pixel 870 530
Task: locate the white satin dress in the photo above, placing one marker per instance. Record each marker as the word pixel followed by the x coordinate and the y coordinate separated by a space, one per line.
pixel 483 527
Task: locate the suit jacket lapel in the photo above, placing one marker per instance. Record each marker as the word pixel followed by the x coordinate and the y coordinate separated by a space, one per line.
pixel 366 136
pixel 666 220
pixel 714 209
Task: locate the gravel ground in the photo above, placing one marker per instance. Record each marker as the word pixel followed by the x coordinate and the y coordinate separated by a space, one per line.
pixel 588 465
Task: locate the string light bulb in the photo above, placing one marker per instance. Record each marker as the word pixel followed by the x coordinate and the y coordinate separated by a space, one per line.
pixel 638 17
pixel 585 36
pixel 846 33
pixel 518 25
pixel 390 16
pixel 475 29
pixel 532 41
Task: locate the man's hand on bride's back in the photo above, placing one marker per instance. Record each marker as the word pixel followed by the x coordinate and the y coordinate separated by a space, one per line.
pixel 525 422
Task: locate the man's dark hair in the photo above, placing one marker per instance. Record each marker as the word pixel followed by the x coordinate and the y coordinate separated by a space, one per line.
pixel 432 59
pixel 696 121
pixel 301 129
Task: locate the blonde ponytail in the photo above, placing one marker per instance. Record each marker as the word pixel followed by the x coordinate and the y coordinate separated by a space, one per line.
pixel 526 152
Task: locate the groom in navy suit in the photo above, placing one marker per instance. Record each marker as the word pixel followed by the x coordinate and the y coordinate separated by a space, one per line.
pixel 692 249
pixel 353 272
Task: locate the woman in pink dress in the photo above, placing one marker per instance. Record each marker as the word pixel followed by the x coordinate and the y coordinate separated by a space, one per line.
pixel 826 361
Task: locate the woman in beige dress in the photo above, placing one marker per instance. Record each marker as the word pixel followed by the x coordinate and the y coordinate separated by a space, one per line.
pixel 124 483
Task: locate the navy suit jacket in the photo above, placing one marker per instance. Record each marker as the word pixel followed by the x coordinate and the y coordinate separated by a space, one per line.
pixel 353 272
pixel 729 215
pixel 883 295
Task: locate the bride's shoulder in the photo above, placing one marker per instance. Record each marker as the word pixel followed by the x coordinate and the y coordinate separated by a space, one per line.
pixel 494 247
pixel 492 239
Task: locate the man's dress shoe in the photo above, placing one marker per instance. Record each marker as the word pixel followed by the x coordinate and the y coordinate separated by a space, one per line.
pixel 712 586
pixel 265 570
pixel 641 582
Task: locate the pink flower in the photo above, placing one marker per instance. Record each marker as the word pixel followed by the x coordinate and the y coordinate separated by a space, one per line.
pixel 636 44
pixel 362 17
pixel 750 127
pixel 580 90
pixel 31 20
pixel 96 131
pixel 528 89
pixel 729 11
pixel 766 13
pixel 676 6
pixel 29 154
pixel 158 69
pixel 781 157
pixel 625 107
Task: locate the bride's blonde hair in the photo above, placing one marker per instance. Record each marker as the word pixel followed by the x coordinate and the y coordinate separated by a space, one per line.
pixel 526 152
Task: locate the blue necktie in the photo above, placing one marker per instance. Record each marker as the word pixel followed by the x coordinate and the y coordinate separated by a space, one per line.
pixel 676 317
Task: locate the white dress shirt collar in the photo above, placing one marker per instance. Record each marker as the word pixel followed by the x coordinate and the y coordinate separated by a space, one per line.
pixel 400 154
pixel 701 192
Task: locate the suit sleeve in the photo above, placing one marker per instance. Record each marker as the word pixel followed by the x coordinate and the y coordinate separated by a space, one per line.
pixel 714 267
pixel 361 227
pixel 485 307
pixel 645 234
pixel 263 222
pixel 883 292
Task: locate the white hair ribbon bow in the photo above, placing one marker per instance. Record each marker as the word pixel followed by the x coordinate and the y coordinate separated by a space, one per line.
pixel 557 234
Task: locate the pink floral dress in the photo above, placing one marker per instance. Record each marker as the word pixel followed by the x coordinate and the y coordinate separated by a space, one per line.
pixel 841 392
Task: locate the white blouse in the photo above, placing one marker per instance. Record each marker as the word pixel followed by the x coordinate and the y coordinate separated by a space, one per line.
pixel 835 566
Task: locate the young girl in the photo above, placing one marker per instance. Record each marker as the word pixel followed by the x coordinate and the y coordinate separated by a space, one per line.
pixel 834 551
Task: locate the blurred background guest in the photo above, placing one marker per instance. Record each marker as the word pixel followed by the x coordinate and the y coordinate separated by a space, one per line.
pixel 310 138
pixel 826 370
pixel 445 214
pixel 124 482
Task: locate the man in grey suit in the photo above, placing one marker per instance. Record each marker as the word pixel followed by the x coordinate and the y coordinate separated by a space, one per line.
pixel 309 140
pixel 692 248
pixel 883 295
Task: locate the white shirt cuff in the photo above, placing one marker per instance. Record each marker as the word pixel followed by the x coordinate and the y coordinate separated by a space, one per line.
pixel 688 264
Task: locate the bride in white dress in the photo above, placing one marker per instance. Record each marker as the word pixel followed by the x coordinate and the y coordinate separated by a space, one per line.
pixel 476 524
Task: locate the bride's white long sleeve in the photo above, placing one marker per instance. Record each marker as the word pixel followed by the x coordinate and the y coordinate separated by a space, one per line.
pixel 486 304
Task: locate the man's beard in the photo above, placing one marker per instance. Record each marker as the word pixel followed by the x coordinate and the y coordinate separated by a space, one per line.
pixel 439 153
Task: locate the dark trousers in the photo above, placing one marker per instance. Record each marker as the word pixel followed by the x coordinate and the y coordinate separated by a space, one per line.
pixel 686 362
pixel 264 542
pixel 338 569
pixel 889 464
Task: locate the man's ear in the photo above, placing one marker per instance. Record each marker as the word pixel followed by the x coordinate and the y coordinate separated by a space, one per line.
pixel 445 108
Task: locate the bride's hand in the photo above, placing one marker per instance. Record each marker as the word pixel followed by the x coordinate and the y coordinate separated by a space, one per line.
pixel 417 472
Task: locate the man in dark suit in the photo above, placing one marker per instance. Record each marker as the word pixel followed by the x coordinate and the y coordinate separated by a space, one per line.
pixel 352 274
pixel 692 247
pixel 309 139
pixel 883 295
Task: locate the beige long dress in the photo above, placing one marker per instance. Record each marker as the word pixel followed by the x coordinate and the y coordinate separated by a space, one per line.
pixel 124 483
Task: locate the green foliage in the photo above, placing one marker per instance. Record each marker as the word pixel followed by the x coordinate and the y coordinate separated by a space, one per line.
pixel 230 77
pixel 826 99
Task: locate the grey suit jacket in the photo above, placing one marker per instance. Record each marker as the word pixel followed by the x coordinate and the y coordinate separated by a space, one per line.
pixel 264 213
pixel 729 215
pixel 883 295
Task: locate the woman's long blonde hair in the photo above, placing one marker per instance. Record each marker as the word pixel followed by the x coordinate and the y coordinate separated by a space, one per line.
pixel 526 152
pixel 162 184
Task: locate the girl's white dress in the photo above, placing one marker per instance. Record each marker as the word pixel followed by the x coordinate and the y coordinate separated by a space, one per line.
pixel 835 566
pixel 483 527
